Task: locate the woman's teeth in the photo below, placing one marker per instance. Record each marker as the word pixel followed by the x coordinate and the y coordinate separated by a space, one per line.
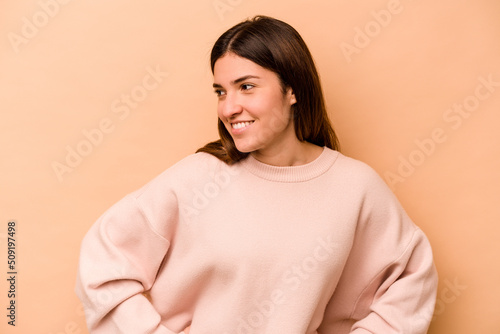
pixel 240 125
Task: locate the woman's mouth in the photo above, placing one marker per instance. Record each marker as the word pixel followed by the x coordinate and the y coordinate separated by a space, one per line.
pixel 241 125
pixel 238 128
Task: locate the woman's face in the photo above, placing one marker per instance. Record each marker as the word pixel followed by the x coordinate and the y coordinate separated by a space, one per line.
pixel 252 105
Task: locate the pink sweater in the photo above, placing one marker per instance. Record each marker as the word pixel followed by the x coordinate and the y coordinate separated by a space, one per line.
pixel 252 248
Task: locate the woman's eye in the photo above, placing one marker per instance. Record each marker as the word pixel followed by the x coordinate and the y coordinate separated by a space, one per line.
pixel 247 86
pixel 219 92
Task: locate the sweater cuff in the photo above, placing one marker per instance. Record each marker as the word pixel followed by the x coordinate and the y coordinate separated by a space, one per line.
pixel 163 330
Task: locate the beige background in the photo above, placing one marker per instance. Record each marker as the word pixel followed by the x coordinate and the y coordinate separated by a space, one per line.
pixel 391 71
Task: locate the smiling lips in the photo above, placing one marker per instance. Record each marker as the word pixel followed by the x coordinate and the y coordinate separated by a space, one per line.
pixel 240 125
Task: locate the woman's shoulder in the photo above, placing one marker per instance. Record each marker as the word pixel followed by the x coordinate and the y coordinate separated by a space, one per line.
pixel 190 170
pixel 353 165
pixel 357 172
pixel 193 162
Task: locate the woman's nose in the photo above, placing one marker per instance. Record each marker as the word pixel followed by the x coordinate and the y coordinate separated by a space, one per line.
pixel 231 106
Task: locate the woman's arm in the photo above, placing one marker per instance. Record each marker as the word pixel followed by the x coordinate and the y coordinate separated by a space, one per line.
pixel 120 257
pixel 400 299
pixel 389 282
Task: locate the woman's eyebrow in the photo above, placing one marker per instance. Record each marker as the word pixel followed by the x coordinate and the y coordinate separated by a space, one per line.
pixel 237 81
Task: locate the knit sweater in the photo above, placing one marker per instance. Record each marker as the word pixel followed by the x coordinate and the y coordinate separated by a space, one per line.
pixel 321 248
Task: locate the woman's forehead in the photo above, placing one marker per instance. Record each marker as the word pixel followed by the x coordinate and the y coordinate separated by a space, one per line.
pixel 230 68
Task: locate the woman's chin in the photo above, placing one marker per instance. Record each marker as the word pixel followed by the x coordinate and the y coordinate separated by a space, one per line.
pixel 245 147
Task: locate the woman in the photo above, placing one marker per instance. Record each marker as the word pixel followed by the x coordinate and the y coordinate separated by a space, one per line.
pixel 267 230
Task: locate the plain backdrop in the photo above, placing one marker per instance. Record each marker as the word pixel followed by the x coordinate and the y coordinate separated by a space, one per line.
pixel 97 98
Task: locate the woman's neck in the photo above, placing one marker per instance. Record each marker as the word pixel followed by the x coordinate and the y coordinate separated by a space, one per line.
pixel 298 154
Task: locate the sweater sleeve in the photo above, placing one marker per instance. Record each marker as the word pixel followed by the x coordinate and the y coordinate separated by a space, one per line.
pixel 119 260
pixel 389 282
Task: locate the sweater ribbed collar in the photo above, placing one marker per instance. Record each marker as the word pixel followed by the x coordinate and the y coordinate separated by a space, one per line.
pixel 292 174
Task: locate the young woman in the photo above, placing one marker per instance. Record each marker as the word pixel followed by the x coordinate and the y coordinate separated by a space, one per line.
pixel 269 229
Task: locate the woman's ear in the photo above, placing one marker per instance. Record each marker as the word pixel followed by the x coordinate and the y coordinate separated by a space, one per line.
pixel 291 96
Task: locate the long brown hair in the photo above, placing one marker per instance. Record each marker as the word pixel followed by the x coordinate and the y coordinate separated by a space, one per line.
pixel 278 47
